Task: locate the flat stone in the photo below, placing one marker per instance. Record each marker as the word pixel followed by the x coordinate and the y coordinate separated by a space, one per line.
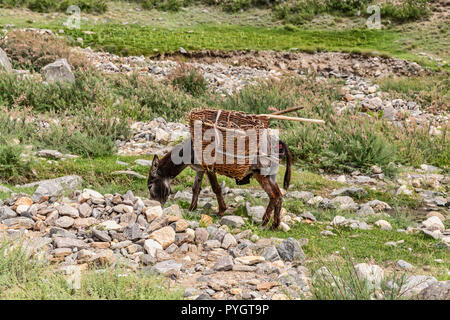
pixel 433 223
pixel 401 264
pixel 383 225
pixel 64 222
pixel 52 154
pixel 19 223
pixel 164 236
pixel 164 267
pixel 232 221
pixel 249 260
pixel 224 263
pixel 66 210
pixel 70 243
pixel 101 235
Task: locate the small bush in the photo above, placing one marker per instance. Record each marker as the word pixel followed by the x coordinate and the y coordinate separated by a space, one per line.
pixel 32 51
pixel 13 169
pixel 189 80
pixel 97 6
pixel 408 10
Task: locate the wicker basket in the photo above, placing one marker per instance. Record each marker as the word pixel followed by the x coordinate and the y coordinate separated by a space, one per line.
pixel 226 126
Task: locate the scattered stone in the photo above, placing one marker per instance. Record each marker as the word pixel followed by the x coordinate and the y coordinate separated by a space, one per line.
pixel 290 250
pixel 232 221
pixel 373 274
pixel 383 225
pixel 224 263
pixel 164 236
pixel 401 264
pixel 59 70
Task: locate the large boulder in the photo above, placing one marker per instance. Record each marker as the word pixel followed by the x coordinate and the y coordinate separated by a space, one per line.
pixel 4 62
pixel 54 187
pixel 58 71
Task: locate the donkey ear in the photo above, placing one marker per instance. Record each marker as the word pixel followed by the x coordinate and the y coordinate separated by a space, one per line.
pixel 155 165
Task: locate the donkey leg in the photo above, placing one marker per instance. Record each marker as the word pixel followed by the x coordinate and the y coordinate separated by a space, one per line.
pixel 196 190
pixel 218 191
pixel 278 205
pixel 268 188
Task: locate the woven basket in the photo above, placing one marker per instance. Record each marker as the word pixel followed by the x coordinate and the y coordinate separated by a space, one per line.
pixel 229 128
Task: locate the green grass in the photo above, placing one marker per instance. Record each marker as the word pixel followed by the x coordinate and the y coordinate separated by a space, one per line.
pixel 31 278
pixel 362 244
pixel 135 39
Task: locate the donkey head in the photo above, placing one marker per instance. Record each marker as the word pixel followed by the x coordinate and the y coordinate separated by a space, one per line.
pixel 158 185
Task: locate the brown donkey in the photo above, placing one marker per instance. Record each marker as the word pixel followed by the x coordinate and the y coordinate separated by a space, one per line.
pixel 164 170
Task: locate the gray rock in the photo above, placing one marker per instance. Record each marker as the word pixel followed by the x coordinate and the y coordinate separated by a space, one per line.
pixel 211 244
pixel 270 253
pixel 66 210
pixel 305 196
pixel 373 274
pixel 351 191
pixel 224 263
pixel 19 223
pixel 132 232
pixel 201 235
pixel 401 264
pixel 64 222
pixel 342 203
pixel 256 213
pixel 436 291
pixel 70 243
pixel 147 259
pixel 167 266
pixel 415 284
pixel 5 64
pixel 290 250
pixel 228 241
pixel 232 221
pixel 6 213
pixel 130 173
pixel 101 235
pixel 308 215
pixel 52 154
pixel 143 162
pixel 59 70
pixel 54 187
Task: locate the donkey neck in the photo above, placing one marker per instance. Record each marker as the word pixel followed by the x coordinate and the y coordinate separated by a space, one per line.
pixel 168 169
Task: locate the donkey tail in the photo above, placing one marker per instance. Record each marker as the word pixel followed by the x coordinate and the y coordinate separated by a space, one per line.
pixel 287 174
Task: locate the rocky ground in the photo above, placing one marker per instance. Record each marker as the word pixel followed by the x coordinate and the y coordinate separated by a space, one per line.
pixel 218 261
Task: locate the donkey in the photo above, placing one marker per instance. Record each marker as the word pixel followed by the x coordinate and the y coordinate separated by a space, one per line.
pixel 163 170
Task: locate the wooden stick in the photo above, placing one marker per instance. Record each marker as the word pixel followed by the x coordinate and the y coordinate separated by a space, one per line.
pixel 279 117
pixel 287 110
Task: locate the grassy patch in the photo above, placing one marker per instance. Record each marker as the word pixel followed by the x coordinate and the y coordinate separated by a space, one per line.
pixel 31 278
pixel 135 39
pixel 362 244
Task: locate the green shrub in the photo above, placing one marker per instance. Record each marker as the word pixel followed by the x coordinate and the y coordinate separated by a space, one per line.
pixel 408 10
pixel 13 169
pixel 97 6
pixel 32 51
pixel 189 80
